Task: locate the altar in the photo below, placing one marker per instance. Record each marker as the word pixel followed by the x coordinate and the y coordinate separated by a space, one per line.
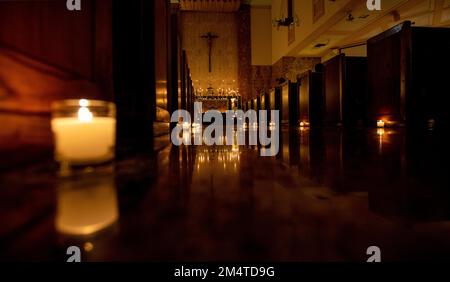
pixel 220 99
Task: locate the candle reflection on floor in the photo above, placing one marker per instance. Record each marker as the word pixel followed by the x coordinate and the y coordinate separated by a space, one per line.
pixel 86 203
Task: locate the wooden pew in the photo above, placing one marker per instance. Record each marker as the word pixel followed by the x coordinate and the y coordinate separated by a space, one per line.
pixel 256 105
pixel 345 87
pixel 311 98
pixel 284 102
pixel 274 101
pixel 288 103
pixel 263 101
pixel 408 75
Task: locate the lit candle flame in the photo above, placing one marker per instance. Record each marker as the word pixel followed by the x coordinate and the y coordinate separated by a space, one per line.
pixel 380 123
pixel 84 115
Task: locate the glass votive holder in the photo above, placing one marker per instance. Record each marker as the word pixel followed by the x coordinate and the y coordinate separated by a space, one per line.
pixel 84 131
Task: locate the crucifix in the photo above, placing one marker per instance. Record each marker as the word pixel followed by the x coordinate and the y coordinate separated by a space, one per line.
pixel 209 38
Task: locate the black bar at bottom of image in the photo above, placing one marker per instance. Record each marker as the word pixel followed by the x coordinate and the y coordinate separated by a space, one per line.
pixel 224 271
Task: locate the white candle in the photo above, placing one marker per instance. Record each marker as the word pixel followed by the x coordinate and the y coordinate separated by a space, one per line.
pixel 85 139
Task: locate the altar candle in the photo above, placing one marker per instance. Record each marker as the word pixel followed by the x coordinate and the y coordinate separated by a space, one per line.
pixel 84 139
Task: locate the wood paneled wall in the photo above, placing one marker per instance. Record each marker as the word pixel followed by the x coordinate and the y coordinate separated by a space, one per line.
pixel 49 32
pixel 48 53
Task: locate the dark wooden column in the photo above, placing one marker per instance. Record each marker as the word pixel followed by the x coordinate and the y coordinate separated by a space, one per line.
pixel 293 103
pixel 174 85
pixel 184 72
pixel 134 75
pixel 333 90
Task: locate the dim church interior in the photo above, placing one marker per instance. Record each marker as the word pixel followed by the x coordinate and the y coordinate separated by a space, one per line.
pixel 364 145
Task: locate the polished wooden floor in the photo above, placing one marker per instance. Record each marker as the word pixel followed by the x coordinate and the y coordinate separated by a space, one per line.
pixel 327 196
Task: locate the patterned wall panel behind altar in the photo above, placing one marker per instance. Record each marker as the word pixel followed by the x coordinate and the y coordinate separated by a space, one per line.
pixel 224 69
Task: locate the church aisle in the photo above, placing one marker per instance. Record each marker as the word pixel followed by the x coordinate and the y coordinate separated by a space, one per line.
pixel 327 196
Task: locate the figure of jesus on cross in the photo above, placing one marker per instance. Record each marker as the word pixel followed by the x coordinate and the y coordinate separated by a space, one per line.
pixel 209 39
